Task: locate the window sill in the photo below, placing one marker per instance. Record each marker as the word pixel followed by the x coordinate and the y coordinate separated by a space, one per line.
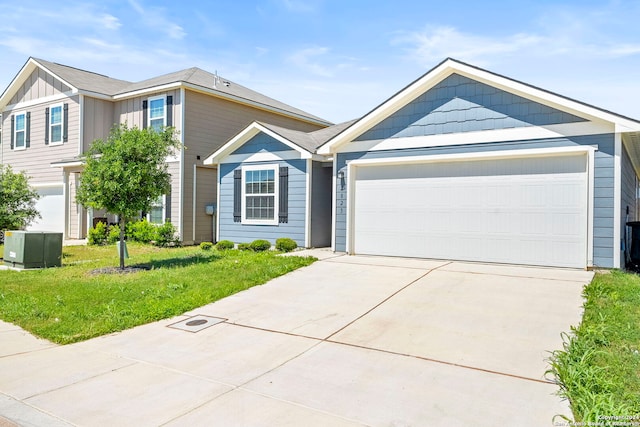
pixel 259 222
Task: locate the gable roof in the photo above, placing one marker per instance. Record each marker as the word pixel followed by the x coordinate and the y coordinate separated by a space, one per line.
pixel 450 66
pixel 306 143
pixel 94 84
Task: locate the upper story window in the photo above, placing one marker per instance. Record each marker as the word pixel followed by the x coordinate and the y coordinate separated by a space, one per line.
pixel 20 131
pixel 55 124
pixel 260 198
pixel 157 113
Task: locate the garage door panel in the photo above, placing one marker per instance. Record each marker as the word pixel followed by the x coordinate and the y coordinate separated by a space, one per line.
pixel 50 205
pixel 525 211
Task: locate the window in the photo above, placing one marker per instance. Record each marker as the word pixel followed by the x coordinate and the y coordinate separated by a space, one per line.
pixel 20 131
pixel 260 198
pixel 55 124
pixel 157 113
pixel 156 213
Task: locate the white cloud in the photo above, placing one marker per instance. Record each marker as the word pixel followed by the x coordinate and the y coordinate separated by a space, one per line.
pixel 154 17
pixel 307 59
pixel 110 22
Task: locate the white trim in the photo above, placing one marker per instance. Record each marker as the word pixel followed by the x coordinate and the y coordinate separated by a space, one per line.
pixel 67 203
pixel 162 97
pixel 617 199
pixel 334 198
pixel 217 213
pixel 276 194
pixel 477 137
pixel 309 183
pixel 66 164
pixel 183 101
pixel 81 125
pixel 193 204
pixel 14 132
pixel 590 205
pixel 264 156
pixel 163 205
pixel 48 185
pixel 463 157
pixel 152 89
pixel 39 101
pixel 51 107
pixel 448 67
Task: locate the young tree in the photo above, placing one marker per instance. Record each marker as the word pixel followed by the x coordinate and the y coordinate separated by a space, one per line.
pixel 127 173
pixel 17 200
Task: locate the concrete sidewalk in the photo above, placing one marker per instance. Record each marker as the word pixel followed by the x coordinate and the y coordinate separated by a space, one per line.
pixel 347 341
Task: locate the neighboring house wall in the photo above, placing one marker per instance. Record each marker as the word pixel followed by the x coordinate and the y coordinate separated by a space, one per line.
pixel 604 170
pixel 628 201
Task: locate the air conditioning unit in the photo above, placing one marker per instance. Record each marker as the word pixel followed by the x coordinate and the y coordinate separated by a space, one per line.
pixel 32 249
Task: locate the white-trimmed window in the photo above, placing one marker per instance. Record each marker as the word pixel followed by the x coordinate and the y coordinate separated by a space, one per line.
pixel 260 194
pixel 157 113
pixel 156 214
pixel 20 131
pixel 56 124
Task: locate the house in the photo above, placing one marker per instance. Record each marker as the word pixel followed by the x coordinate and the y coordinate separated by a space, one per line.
pixel 51 113
pixel 461 164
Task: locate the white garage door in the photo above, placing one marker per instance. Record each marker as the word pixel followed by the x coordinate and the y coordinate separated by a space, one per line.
pixel 521 211
pixel 51 207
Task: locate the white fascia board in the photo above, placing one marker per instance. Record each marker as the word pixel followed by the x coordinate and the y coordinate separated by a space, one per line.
pixel 484 136
pixel 38 101
pixel 67 164
pixel 254 104
pixel 486 155
pixel 96 95
pixel 152 89
pixel 265 156
pixel 48 185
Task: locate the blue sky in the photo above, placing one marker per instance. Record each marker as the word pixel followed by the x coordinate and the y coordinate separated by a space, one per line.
pixel 337 59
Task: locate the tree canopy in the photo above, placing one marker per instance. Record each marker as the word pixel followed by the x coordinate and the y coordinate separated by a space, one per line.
pixel 17 200
pixel 127 173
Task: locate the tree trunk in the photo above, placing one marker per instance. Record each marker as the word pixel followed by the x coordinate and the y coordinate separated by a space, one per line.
pixel 122 225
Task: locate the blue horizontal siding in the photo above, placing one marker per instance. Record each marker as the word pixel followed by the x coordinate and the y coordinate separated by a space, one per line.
pixel 459 104
pixel 244 233
pixel 261 143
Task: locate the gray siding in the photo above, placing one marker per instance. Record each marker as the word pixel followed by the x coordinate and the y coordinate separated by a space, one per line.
pixel 261 143
pixel 205 195
pixel 98 117
pixel 38 85
pixel 295 228
pixel 629 199
pixel 459 104
pixel 320 206
pixel 603 201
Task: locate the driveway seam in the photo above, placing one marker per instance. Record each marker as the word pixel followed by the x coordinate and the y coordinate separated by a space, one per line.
pixel 515 276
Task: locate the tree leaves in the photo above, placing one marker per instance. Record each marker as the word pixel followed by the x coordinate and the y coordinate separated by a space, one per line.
pixel 17 200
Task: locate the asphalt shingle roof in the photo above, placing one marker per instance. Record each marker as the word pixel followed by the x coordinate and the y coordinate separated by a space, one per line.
pixel 310 141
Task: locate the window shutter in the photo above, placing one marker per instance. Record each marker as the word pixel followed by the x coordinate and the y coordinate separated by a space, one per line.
pixel 170 110
pixel 237 195
pixel 46 126
pixel 144 113
pixel 167 206
pixel 283 216
pixel 65 123
pixel 27 133
pixel 13 130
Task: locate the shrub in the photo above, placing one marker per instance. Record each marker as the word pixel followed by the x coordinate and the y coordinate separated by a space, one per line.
pixel 260 245
pixel 97 235
pixel 166 235
pixel 206 246
pixel 286 244
pixel 224 245
pixel 114 234
pixel 143 231
pixel 244 246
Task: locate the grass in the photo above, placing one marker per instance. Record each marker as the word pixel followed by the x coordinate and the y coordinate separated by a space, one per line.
pixel 599 368
pixel 71 304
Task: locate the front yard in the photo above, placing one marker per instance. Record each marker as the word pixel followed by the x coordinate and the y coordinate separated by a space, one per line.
pixel 599 369
pixel 72 303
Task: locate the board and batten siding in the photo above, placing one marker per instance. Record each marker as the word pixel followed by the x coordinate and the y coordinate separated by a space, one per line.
pixel 629 200
pixel 130 110
pixel 205 195
pixel 38 85
pixel 240 233
pixel 98 120
pixel 603 179
pixel 320 205
pixel 37 158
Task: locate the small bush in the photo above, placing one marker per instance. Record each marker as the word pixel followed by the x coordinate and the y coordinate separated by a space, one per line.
pixel 206 246
pixel 260 245
pixel 143 231
pixel 286 244
pixel 166 235
pixel 244 246
pixel 114 234
pixel 224 245
pixel 97 235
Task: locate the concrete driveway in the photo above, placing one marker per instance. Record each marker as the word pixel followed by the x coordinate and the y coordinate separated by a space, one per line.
pixel 347 341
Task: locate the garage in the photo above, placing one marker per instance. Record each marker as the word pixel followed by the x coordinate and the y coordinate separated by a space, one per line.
pixel 51 208
pixel 518 210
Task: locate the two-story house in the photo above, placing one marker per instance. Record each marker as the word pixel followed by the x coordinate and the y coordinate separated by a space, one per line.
pixel 51 113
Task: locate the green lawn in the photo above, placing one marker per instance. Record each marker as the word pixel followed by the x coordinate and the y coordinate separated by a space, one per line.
pixel 70 304
pixel 599 369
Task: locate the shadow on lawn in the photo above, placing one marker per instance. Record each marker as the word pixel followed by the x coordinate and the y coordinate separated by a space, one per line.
pixel 180 262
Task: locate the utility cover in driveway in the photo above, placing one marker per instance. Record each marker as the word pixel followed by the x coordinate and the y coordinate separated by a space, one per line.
pixel 196 323
pixel 510 210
